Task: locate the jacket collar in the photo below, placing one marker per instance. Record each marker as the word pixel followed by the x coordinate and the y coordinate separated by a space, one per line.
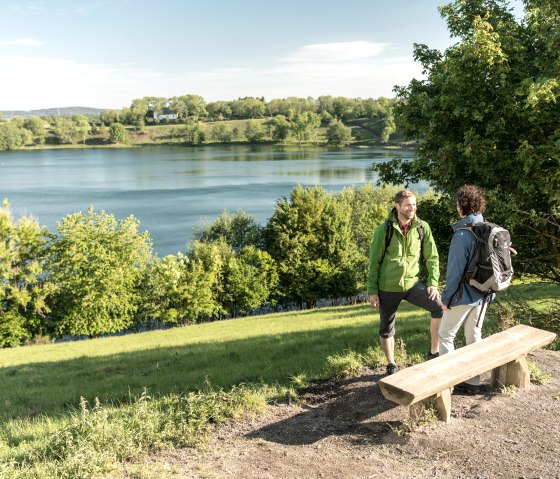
pixel 472 218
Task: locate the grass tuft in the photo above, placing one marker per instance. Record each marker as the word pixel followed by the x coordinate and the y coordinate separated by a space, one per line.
pixel 538 376
pixel 345 365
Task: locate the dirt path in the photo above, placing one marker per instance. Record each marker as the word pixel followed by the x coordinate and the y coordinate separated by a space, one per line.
pixel 348 429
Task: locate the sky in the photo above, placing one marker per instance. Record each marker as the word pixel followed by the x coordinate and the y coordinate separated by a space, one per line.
pixel 105 53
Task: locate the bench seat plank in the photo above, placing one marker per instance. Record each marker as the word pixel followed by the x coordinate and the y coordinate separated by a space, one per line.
pixel 430 378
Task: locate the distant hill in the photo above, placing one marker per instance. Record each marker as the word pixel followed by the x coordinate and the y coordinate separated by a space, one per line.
pixel 69 110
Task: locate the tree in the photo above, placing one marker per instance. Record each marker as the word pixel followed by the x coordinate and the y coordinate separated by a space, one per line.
pixel 13 136
pixel 222 133
pixel 238 230
pixel 195 133
pixel 177 290
pixel 117 133
pixel 338 133
pixel 281 128
pixel 219 110
pixel 305 126
pixel 245 108
pixel 487 114
pixel 249 279
pixel 188 106
pixel 37 126
pixel 107 117
pixel 310 238
pixel 253 131
pixel 81 128
pixel 97 263
pixel 24 292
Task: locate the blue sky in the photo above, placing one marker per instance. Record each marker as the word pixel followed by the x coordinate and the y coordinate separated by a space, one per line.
pixel 105 53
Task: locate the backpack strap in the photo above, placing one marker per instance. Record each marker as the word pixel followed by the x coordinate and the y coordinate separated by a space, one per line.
pixel 421 234
pixel 388 236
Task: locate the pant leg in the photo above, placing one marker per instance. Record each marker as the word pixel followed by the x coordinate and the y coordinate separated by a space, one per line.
pixel 388 305
pixel 473 333
pixel 450 323
pixel 418 296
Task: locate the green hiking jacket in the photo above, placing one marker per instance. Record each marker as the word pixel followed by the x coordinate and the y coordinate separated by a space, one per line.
pixel 401 267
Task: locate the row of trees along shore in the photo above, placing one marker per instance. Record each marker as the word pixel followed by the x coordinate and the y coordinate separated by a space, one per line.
pixel 98 275
pixel 189 119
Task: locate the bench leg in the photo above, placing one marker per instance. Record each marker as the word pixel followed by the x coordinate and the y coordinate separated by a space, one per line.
pixel 442 404
pixel 516 373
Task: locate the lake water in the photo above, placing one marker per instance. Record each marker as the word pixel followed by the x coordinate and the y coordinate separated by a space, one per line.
pixel 172 189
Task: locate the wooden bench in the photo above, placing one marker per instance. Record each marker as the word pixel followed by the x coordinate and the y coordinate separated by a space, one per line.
pixel 503 353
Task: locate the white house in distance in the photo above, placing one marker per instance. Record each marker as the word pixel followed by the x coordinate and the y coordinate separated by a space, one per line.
pixel 165 115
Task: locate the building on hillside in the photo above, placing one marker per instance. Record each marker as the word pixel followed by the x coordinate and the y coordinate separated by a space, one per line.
pixel 165 115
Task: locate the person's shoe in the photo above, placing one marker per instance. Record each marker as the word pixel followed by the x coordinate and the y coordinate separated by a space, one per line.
pixel 466 388
pixel 431 355
pixel 392 369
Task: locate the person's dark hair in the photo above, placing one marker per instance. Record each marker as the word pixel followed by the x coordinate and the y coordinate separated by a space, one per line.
pixel 470 200
pixel 401 195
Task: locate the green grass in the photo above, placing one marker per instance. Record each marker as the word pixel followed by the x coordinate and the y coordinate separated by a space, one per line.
pixel 111 399
pixel 48 379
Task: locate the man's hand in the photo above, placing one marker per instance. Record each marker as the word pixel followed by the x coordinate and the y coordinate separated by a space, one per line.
pixel 374 300
pixel 433 293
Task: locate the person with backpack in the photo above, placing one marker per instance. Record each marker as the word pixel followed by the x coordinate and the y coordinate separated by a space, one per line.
pixel 463 303
pixel 399 247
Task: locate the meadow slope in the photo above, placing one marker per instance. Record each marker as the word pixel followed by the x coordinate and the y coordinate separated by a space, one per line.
pixel 347 429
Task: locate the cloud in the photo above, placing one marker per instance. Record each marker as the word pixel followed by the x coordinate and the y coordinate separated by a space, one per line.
pixel 335 52
pixel 26 42
pixel 46 82
pixel 351 69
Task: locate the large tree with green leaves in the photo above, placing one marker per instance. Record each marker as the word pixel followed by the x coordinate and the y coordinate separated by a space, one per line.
pixel 310 237
pixel 486 113
pixel 24 290
pixel 177 290
pixel 97 264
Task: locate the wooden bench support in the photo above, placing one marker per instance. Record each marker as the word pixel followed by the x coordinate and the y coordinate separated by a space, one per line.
pixel 514 373
pixel 442 404
pixel 504 354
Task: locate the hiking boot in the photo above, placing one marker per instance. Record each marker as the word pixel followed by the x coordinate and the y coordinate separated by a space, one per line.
pixel 466 388
pixel 431 355
pixel 392 369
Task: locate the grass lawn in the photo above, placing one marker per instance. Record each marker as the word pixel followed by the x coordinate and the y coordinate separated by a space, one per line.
pixel 179 369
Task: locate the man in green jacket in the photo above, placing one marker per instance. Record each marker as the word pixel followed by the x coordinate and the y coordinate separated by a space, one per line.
pixel 395 273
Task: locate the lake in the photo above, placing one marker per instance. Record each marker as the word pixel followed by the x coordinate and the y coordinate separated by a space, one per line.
pixel 170 190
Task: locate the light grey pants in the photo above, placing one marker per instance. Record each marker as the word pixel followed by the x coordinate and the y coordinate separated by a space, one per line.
pixel 450 324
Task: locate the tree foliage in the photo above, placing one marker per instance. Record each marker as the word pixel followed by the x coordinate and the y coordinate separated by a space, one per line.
pixel 338 133
pixel 24 291
pixel 238 230
pixel 309 235
pixel 117 132
pixel 177 290
pixel 97 263
pixel 487 114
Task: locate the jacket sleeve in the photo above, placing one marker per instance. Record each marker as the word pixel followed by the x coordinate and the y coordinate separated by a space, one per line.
pixel 375 251
pixel 431 256
pixel 457 261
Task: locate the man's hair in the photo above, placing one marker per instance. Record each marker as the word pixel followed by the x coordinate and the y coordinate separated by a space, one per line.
pixel 470 200
pixel 401 195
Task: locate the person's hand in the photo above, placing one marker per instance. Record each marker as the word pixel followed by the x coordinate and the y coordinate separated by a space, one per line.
pixel 445 308
pixel 433 293
pixel 374 300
